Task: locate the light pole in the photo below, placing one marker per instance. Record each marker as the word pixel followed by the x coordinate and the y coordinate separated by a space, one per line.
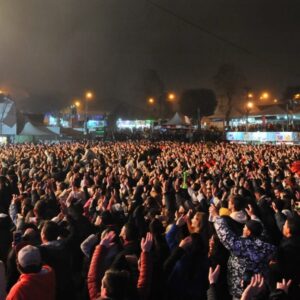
pixel 249 106
pixel 88 96
pixel 151 103
pixel 74 109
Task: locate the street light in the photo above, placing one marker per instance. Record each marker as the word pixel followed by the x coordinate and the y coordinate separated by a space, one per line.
pixel 160 101
pixel 171 96
pixel 88 96
pixel 250 105
pixel 151 101
pixel 264 96
pixel 74 108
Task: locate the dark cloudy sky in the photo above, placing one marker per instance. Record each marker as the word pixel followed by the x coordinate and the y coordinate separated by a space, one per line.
pixel 52 50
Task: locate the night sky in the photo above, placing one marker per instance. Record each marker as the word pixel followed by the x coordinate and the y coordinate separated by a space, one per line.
pixel 51 51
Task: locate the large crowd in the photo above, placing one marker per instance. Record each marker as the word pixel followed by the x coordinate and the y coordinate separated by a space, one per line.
pixel 149 220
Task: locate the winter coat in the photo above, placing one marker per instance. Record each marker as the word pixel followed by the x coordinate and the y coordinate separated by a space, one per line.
pixel 56 255
pixel 97 271
pixel 187 275
pixel 247 256
pixel 289 262
pixel 34 286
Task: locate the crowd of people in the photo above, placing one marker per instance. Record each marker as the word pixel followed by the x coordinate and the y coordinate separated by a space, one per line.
pixel 179 135
pixel 149 220
pixel 269 126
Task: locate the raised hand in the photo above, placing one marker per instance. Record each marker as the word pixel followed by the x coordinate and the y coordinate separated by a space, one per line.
pixel 274 207
pixel 213 275
pixel 186 242
pixel 180 221
pixel 284 285
pixel 255 286
pixel 213 210
pixel 107 240
pixel 147 242
pixel 189 214
pixel 250 210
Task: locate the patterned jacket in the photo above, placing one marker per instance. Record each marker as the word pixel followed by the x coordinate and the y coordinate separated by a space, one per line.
pixel 247 255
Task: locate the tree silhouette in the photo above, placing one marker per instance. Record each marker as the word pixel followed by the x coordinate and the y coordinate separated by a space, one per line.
pixel 229 82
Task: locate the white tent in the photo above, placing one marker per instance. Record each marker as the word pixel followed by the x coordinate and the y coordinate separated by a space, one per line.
pixel 178 120
pixel 30 129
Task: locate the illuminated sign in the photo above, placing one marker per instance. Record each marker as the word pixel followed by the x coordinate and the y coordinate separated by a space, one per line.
pixel 134 124
pixel 263 136
pixel 92 124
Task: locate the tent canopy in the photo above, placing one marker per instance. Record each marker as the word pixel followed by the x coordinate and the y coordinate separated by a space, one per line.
pixel 30 129
pixel 177 120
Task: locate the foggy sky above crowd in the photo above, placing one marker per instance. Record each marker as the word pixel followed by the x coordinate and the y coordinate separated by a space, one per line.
pixel 52 51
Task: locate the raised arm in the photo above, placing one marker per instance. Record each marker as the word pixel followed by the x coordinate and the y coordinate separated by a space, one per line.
pixel 228 238
pixel 97 269
pixel 145 277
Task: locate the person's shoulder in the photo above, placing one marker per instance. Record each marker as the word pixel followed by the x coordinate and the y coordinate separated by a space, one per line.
pixel 20 287
pixel 263 244
pixel 290 243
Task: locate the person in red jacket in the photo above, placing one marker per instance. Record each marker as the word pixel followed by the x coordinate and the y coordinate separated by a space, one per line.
pixel 37 281
pixel 117 284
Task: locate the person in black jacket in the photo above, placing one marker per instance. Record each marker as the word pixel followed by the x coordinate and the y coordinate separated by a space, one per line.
pixel 186 270
pixel 54 253
pixel 288 259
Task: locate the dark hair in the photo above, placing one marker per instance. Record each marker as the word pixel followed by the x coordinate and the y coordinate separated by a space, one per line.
pixel 238 202
pixel 50 230
pixel 29 269
pixel 255 228
pixel 107 218
pixel 117 284
pixel 131 231
pixel 40 209
pixel 279 204
pixel 156 227
pixel 76 182
pixel 294 225
pixel 260 191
